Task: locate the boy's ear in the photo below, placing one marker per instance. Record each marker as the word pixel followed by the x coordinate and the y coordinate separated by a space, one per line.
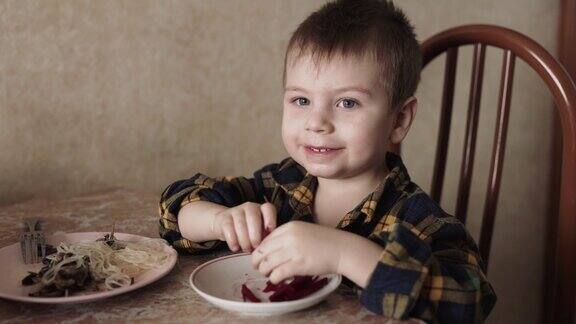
pixel 403 120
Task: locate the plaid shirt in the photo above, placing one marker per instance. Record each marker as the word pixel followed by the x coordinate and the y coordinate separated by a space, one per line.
pixel 430 267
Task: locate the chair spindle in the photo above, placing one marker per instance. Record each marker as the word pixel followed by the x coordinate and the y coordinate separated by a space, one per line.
pixel 471 131
pixel 445 120
pixel 497 154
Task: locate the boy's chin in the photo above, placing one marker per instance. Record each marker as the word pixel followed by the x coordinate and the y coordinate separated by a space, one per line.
pixel 325 173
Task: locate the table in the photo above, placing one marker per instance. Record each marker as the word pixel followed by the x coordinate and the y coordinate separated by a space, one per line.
pixel 169 299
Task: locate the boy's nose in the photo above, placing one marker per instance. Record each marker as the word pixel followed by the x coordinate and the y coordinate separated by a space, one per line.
pixel 319 121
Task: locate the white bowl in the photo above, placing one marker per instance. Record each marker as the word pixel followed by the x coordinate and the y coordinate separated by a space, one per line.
pixel 219 281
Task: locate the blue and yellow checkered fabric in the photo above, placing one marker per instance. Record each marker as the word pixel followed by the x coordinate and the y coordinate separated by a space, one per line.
pixel 430 267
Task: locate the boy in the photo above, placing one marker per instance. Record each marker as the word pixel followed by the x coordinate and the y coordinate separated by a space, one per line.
pixel 342 203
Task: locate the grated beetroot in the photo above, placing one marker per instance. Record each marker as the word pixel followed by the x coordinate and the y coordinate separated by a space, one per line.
pixel 247 294
pixel 299 287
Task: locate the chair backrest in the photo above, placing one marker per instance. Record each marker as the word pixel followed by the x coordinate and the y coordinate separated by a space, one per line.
pixel 563 273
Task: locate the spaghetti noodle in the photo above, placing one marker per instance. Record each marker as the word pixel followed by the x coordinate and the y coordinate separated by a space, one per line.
pixel 104 264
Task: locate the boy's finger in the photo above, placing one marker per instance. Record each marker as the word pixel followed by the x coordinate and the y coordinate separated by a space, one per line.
pixel 269 216
pixel 254 222
pixel 281 272
pixel 267 246
pixel 242 231
pixel 271 262
pixel 230 236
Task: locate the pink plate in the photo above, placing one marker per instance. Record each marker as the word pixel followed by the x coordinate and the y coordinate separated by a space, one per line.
pixel 13 270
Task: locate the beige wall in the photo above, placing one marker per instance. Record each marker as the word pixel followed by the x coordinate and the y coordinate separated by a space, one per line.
pixel 99 94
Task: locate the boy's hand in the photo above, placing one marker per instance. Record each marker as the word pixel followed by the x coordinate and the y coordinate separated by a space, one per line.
pixel 299 248
pixel 245 225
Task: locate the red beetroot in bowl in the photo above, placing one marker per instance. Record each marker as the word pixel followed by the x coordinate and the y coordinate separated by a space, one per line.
pixel 299 287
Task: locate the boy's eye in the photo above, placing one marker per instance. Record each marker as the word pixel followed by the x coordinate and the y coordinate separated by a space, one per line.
pixel 347 103
pixel 300 101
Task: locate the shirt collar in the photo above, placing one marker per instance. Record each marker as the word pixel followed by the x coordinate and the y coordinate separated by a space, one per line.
pixel 301 194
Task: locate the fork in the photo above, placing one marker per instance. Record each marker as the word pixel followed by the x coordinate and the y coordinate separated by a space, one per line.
pixel 30 240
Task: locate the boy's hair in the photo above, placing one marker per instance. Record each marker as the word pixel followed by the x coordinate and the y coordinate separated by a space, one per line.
pixel 357 27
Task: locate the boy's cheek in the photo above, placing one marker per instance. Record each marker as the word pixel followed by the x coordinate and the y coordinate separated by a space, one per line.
pixel 288 124
pixel 290 133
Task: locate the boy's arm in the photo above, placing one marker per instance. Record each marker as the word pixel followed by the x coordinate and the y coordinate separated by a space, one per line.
pixel 187 208
pixel 195 220
pixel 428 269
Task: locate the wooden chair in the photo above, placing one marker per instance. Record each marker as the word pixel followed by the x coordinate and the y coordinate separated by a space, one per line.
pixel 562 274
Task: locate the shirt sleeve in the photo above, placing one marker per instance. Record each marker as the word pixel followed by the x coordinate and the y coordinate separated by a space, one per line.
pixel 227 191
pixel 430 269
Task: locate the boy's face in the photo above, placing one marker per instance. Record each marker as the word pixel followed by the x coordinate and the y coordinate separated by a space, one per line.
pixel 340 107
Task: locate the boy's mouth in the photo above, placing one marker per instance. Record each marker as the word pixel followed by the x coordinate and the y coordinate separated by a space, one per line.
pixel 321 149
